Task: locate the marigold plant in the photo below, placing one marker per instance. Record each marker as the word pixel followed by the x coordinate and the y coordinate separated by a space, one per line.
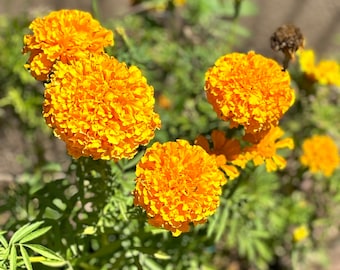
pixel 325 72
pixel 320 154
pixel 100 107
pixel 266 150
pixel 178 184
pixel 249 90
pixel 63 35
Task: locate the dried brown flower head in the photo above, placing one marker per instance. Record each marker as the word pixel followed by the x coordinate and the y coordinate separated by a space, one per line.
pixel 287 39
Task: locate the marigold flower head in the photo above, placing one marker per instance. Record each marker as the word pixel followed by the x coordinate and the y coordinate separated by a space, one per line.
pixel 63 35
pixel 266 150
pixel 320 154
pixel 100 107
pixel 249 90
pixel 225 151
pixel 178 184
pixel 325 72
pixel 300 233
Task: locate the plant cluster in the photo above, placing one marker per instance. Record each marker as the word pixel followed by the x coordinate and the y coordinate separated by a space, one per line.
pixel 178 157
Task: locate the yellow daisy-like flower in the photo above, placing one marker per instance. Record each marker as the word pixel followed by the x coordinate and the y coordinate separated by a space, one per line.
pixel 100 107
pixel 63 35
pixel 249 90
pixel 325 72
pixel 225 151
pixel 300 233
pixel 320 154
pixel 266 150
pixel 178 184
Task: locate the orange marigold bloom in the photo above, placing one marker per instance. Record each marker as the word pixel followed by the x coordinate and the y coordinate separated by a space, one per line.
pixel 325 72
pixel 100 107
pixel 320 154
pixel 225 151
pixel 63 35
pixel 265 150
pixel 249 90
pixel 178 184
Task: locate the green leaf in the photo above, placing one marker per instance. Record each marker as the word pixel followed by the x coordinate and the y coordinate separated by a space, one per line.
pixel 26 258
pixel 24 231
pixel 222 225
pixel 44 251
pixel 35 234
pixel 13 258
pixel 53 263
pixel 3 241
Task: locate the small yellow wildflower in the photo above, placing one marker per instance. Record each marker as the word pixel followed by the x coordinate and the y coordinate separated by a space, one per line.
pixel 320 154
pixel 63 35
pixel 300 233
pixel 100 107
pixel 178 184
pixel 249 90
pixel 265 150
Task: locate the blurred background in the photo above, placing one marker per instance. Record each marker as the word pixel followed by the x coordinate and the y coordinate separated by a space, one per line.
pixel 319 20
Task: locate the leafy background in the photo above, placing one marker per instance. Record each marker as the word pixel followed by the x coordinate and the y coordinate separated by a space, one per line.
pixel 87 206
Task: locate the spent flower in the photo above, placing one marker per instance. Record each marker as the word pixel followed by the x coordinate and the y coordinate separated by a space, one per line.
pixel 178 184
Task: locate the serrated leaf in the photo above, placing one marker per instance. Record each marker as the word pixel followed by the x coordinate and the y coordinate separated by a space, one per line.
pixel 44 251
pixel 35 234
pixel 23 231
pixel 25 258
pixel 13 258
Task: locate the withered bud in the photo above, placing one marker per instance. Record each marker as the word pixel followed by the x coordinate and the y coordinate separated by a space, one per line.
pixel 287 39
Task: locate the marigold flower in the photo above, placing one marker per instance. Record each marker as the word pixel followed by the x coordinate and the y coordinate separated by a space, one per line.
pixel 300 233
pixel 63 35
pixel 249 90
pixel 179 3
pixel 225 151
pixel 100 107
pixel 265 150
pixel 325 72
pixel 178 184
pixel 320 154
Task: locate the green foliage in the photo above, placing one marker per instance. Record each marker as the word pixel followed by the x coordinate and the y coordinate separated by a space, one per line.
pixel 87 210
pixel 15 253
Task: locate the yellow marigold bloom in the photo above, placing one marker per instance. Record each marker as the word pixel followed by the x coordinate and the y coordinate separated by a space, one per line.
pixel 307 61
pixel 63 35
pixel 249 90
pixel 100 107
pixel 320 154
pixel 325 72
pixel 225 151
pixel 300 233
pixel 178 184
pixel 179 3
pixel 266 150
